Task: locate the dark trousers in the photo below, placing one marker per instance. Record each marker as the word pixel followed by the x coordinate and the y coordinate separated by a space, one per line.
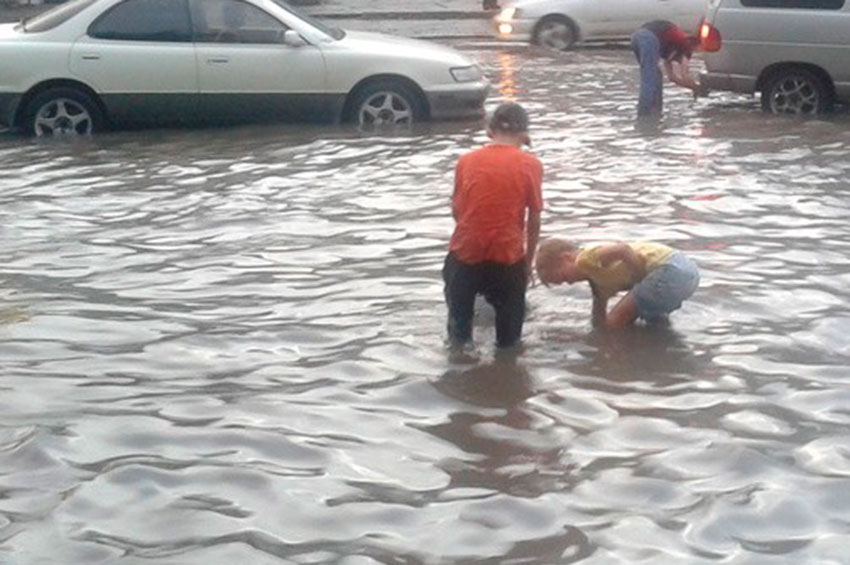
pixel 503 286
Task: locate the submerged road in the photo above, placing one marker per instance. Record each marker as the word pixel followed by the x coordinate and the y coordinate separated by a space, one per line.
pixel 226 345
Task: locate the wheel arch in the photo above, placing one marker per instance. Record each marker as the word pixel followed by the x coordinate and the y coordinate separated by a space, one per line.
pixel 771 70
pixel 55 83
pixel 555 16
pixel 407 82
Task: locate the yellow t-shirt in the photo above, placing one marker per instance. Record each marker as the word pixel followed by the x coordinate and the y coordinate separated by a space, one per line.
pixel 616 276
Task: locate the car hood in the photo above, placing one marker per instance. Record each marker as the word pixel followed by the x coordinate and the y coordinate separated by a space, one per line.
pixel 382 45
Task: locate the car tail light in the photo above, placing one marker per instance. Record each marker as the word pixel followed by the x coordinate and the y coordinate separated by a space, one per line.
pixel 709 37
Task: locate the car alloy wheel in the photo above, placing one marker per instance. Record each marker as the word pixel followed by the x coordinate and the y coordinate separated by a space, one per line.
pixel 385 108
pixel 556 33
pixel 62 117
pixel 385 103
pixel 797 92
pixel 62 111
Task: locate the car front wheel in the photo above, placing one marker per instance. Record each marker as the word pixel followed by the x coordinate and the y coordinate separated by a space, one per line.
pixel 62 111
pixel 796 91
pixel 555 32
pixel 384 104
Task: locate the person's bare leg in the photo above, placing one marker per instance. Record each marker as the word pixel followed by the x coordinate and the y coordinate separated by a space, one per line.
pixel 623 314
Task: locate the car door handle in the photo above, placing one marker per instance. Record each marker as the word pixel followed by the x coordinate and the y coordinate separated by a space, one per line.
pixel 214 60
pixel 90 57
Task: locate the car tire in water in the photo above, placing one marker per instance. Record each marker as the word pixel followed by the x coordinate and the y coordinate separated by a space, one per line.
pixel 385 103
pixel 555 32
pixel 796 91
pixel 62 111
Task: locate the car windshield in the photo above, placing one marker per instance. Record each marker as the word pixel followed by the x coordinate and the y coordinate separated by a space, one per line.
pixel 334 32
pixel 54 16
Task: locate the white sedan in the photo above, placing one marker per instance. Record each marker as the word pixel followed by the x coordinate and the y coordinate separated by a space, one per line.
pixel 559 24
pixel 90 64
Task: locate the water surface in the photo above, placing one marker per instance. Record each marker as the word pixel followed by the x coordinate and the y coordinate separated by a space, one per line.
pixel 226 345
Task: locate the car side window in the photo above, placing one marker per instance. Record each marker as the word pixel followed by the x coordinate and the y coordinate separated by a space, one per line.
pixel 233 21
pixel 145 20
pixel 799 4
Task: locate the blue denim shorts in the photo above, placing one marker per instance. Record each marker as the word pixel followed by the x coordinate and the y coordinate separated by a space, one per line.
pixel 663 290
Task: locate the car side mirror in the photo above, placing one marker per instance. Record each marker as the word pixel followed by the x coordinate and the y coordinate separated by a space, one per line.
pixel 293 39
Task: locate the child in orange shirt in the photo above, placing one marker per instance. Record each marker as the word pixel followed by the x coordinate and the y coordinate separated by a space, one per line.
pixel 496 205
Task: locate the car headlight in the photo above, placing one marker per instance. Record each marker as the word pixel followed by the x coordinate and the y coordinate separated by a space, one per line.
pixel 508 14
pixel 467 74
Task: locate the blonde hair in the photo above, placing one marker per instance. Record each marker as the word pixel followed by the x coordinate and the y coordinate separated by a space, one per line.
pixel 549 254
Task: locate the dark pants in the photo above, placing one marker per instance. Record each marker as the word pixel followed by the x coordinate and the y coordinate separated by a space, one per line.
pixel 503 286
pixel 647 50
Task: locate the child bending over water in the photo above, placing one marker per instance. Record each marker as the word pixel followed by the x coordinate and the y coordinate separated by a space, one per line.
pixel 657 278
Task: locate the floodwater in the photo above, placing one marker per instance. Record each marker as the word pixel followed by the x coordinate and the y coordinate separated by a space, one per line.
pixel 226 346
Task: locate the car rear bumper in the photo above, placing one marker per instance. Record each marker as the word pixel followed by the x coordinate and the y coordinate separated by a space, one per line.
pixel 463 100
pixel 9 102
pixel 729 83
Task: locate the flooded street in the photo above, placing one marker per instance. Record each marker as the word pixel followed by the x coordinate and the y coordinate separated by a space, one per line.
pixel 226 346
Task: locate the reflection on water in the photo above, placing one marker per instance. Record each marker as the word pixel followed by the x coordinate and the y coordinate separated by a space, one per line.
pixel 507 79
pixel 657 354
pixel 227 345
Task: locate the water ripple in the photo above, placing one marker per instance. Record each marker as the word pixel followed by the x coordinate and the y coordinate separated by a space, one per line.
pixel 226 345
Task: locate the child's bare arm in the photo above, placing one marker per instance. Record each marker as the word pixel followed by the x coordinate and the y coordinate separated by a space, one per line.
pixel 609 254
pixel 532 235
pixel 600 307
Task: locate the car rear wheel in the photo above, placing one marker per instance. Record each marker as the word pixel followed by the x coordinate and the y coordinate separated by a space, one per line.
pixel 62 111
pixel 796 91
pixel 386 103
pixel 555 32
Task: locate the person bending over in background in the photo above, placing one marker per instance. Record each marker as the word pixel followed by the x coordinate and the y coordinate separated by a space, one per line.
pixel 496 205
pixel 663 43
pixel 658 278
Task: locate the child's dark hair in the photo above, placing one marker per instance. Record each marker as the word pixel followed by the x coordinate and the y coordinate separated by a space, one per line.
pixel 509 118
